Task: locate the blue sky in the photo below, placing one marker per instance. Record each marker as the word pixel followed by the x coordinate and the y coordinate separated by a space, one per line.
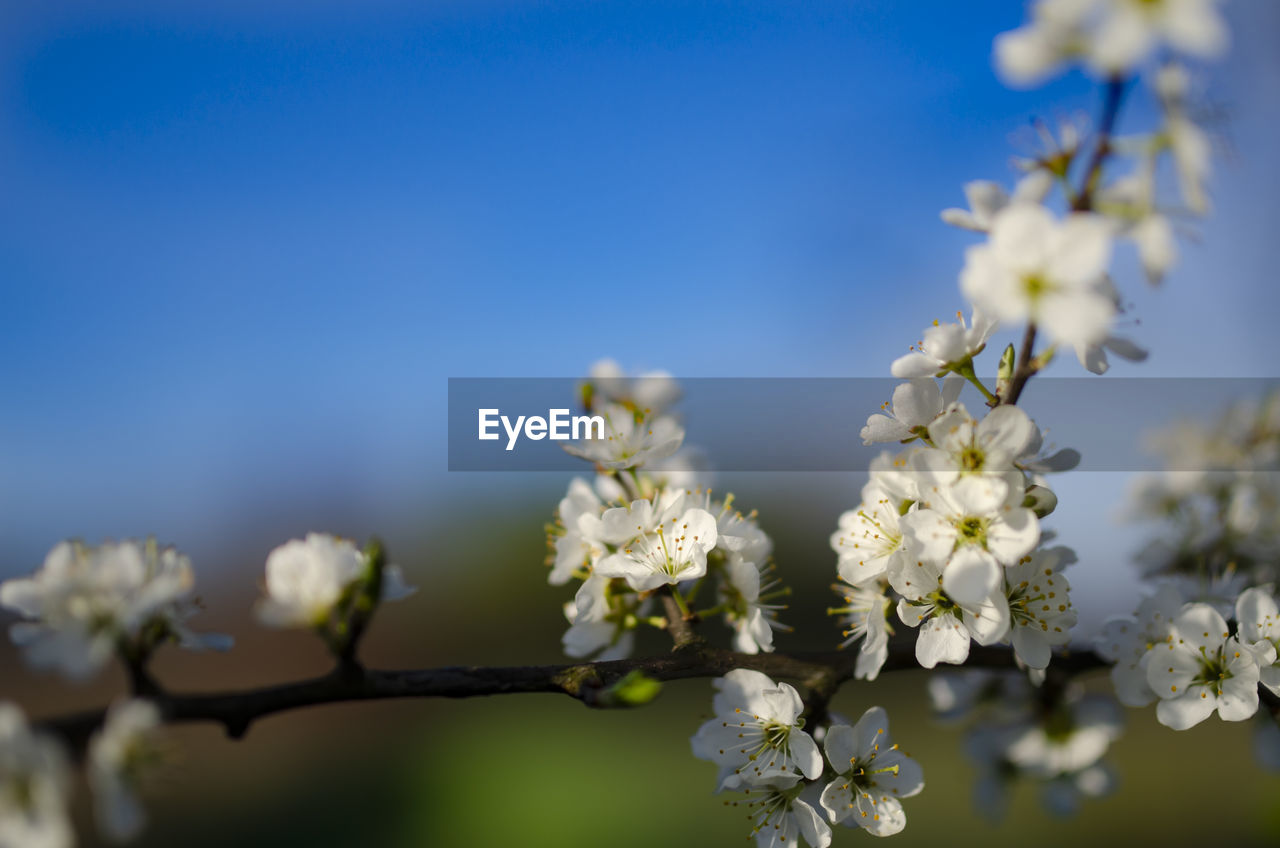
pixel 244 248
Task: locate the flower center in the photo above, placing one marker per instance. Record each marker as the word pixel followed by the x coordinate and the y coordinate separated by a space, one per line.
pixel 971 458
pixel 943 604
pixel 1213 671
pixel 20 791
pixel 1036 286
pixel 972 530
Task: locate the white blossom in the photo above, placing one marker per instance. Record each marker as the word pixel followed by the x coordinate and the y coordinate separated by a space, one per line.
pixel 873 775
pixel 946 624
pixel 1157 248
pixel 895 474
pixel 1040 611
pixel 1112 37
pixel 752 620
pixel 120 754
pixel 306 578
pixel 34 786
pixel 631 439
pixel 1187 142
pixel 738 536
pixel 945 346
pixel 582 543
pixel 1202 668
pixel 621 524
pixel 1031 52
pixel 86 603
pixel 869 538
pixel 971 528
pixel 1129 31
pixel 674 551
pixel 1130 201
pixel 780 817
pixel 1093 356
pixel 1070 741
pixel 915 404
pixel 865 618
pixel 596 625
pixel 965 446
pixel 650 392
pixel 755 736
pixel 1127 640
pixel 987 198
pixel 1036 268
pixel 1258 619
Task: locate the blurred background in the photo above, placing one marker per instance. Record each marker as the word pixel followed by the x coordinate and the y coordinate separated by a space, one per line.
pixel 244 245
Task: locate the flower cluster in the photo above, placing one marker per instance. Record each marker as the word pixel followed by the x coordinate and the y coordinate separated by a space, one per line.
pixel 35 779
pixel 86 604
pixel 947 538
pixel 34 785
pixel 949 529
pixel 1218 502
pixel 1110 37
pixel 1206 637
pixel 757 741
pixel 1186 657
pixel 636 532
pixel 1056 739
pixel 638 427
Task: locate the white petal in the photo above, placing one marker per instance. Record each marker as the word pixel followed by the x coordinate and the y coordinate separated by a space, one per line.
pixel 1030 645
pixel 985 198
pixel 1076 317
pixel 917 402
pixel 913 365
pixel 971 575
pixel 1080 250
pixel 1185 712
pixel 812 827
pixel 1013 535
pixel 942 639
pixel 882 428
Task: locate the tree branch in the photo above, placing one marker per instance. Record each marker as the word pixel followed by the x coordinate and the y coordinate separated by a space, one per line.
pixel 1083 202
pixel 1102 149
pixel 821 672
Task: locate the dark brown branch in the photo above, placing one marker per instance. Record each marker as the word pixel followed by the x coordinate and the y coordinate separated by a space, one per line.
pixel 680 628
pixel 821 672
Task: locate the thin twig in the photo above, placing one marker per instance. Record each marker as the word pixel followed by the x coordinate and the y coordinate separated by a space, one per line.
pixel 1102 149
pixel 822 672
pixel 1083 202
